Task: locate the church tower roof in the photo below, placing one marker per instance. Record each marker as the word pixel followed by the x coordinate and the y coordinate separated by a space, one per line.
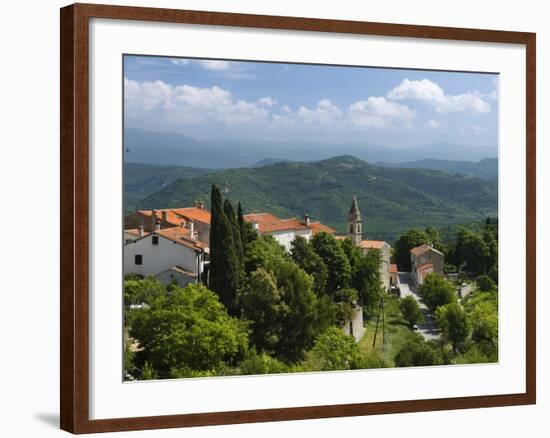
pixel 354 213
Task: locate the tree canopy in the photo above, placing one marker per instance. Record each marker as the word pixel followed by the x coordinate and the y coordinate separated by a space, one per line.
pixel 454 324
pixel 188 328
pixel 436 291
pixel 411 311
pixel 334 350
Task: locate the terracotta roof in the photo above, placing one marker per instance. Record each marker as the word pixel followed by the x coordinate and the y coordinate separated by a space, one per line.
pixel 181 235
pixel 420 249
pixel 393 268
pixel 194 214
pixel 318 227
pixel 171 218
pixel 425 266
pixel 179 270
pixel 372 244
pixel 424 248
pixel 135 232
pixel 269 223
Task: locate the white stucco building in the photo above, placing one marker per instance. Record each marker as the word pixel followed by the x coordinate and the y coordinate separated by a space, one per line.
pixel 285 230
pixel 171 254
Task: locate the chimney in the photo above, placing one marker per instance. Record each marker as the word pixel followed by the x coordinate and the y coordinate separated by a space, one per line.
pixel 157 224
pixel 201 205
pixel 306 219
pixel 153 220
pixel 141 230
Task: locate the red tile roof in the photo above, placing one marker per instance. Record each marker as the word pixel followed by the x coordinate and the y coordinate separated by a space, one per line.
pixel 269 223
pixel 372 244
pixel 425 266
pixel 417 250
pixel 134 232
pixel 424 248
pixel 318 227
pixel 194 214
pixel 181 235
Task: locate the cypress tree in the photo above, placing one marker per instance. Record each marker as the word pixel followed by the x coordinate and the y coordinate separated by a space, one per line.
pixel 237 240
pixel 242 227
pixel 224 272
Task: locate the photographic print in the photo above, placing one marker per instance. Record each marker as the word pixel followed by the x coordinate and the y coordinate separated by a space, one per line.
pixel 285 218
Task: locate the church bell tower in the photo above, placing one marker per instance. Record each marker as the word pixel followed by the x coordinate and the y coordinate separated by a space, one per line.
pixel 355 232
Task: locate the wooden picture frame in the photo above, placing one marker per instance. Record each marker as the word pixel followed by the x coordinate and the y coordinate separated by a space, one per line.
pixel 74 274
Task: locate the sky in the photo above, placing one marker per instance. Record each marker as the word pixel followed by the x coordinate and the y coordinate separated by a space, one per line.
pixel 213 99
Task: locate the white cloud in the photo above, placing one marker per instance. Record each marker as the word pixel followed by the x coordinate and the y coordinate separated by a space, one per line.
pixel 190 105
pixel 323 114
pixel 267 101
pixel 180 61
pixel 432 124
pixel 216 65
pixel 429 92
pixel 378 112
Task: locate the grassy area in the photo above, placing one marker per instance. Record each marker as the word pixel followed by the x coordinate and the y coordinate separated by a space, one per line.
pixel 396 333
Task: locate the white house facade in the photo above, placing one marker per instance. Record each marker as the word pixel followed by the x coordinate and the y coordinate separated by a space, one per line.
pixel 171 249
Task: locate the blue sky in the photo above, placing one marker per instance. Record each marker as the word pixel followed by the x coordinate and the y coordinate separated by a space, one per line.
pixel 254 100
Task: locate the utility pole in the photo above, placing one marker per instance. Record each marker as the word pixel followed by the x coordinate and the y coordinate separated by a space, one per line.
pixel 381 315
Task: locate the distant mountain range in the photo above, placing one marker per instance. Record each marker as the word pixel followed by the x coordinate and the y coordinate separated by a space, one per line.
pixel 484 169
pixel 176 149
pixel 391 199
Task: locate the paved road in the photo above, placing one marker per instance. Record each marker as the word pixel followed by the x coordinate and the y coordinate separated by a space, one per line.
pixel 427 329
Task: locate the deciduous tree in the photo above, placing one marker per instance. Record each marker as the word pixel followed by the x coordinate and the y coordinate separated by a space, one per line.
pixel 436 291
pixel 411 311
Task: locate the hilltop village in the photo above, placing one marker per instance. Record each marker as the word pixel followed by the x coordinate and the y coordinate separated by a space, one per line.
pixel 173 246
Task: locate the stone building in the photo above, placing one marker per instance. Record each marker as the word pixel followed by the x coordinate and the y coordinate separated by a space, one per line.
pixel 425 259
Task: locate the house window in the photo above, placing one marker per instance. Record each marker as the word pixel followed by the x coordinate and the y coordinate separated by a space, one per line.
pixel 138 259
pixel 155 240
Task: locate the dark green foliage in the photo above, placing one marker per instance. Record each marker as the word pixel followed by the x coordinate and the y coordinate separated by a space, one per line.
pixel 307 259
pixel 411 311
pixel 436 291
pixel 405 243
pixel 417 352
pixel 454 324
pixel 485 283
pixel 333 256
pixel 262 304
pixel 367 280
pixel 237 240
pixel 225 268
pixel 334 350
pixel 188 329
pixel 398 199
pixel 298 327
pixel 129 355
pixel 473 253
pixel 148 372
pixel 244 233
pixel 262 363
